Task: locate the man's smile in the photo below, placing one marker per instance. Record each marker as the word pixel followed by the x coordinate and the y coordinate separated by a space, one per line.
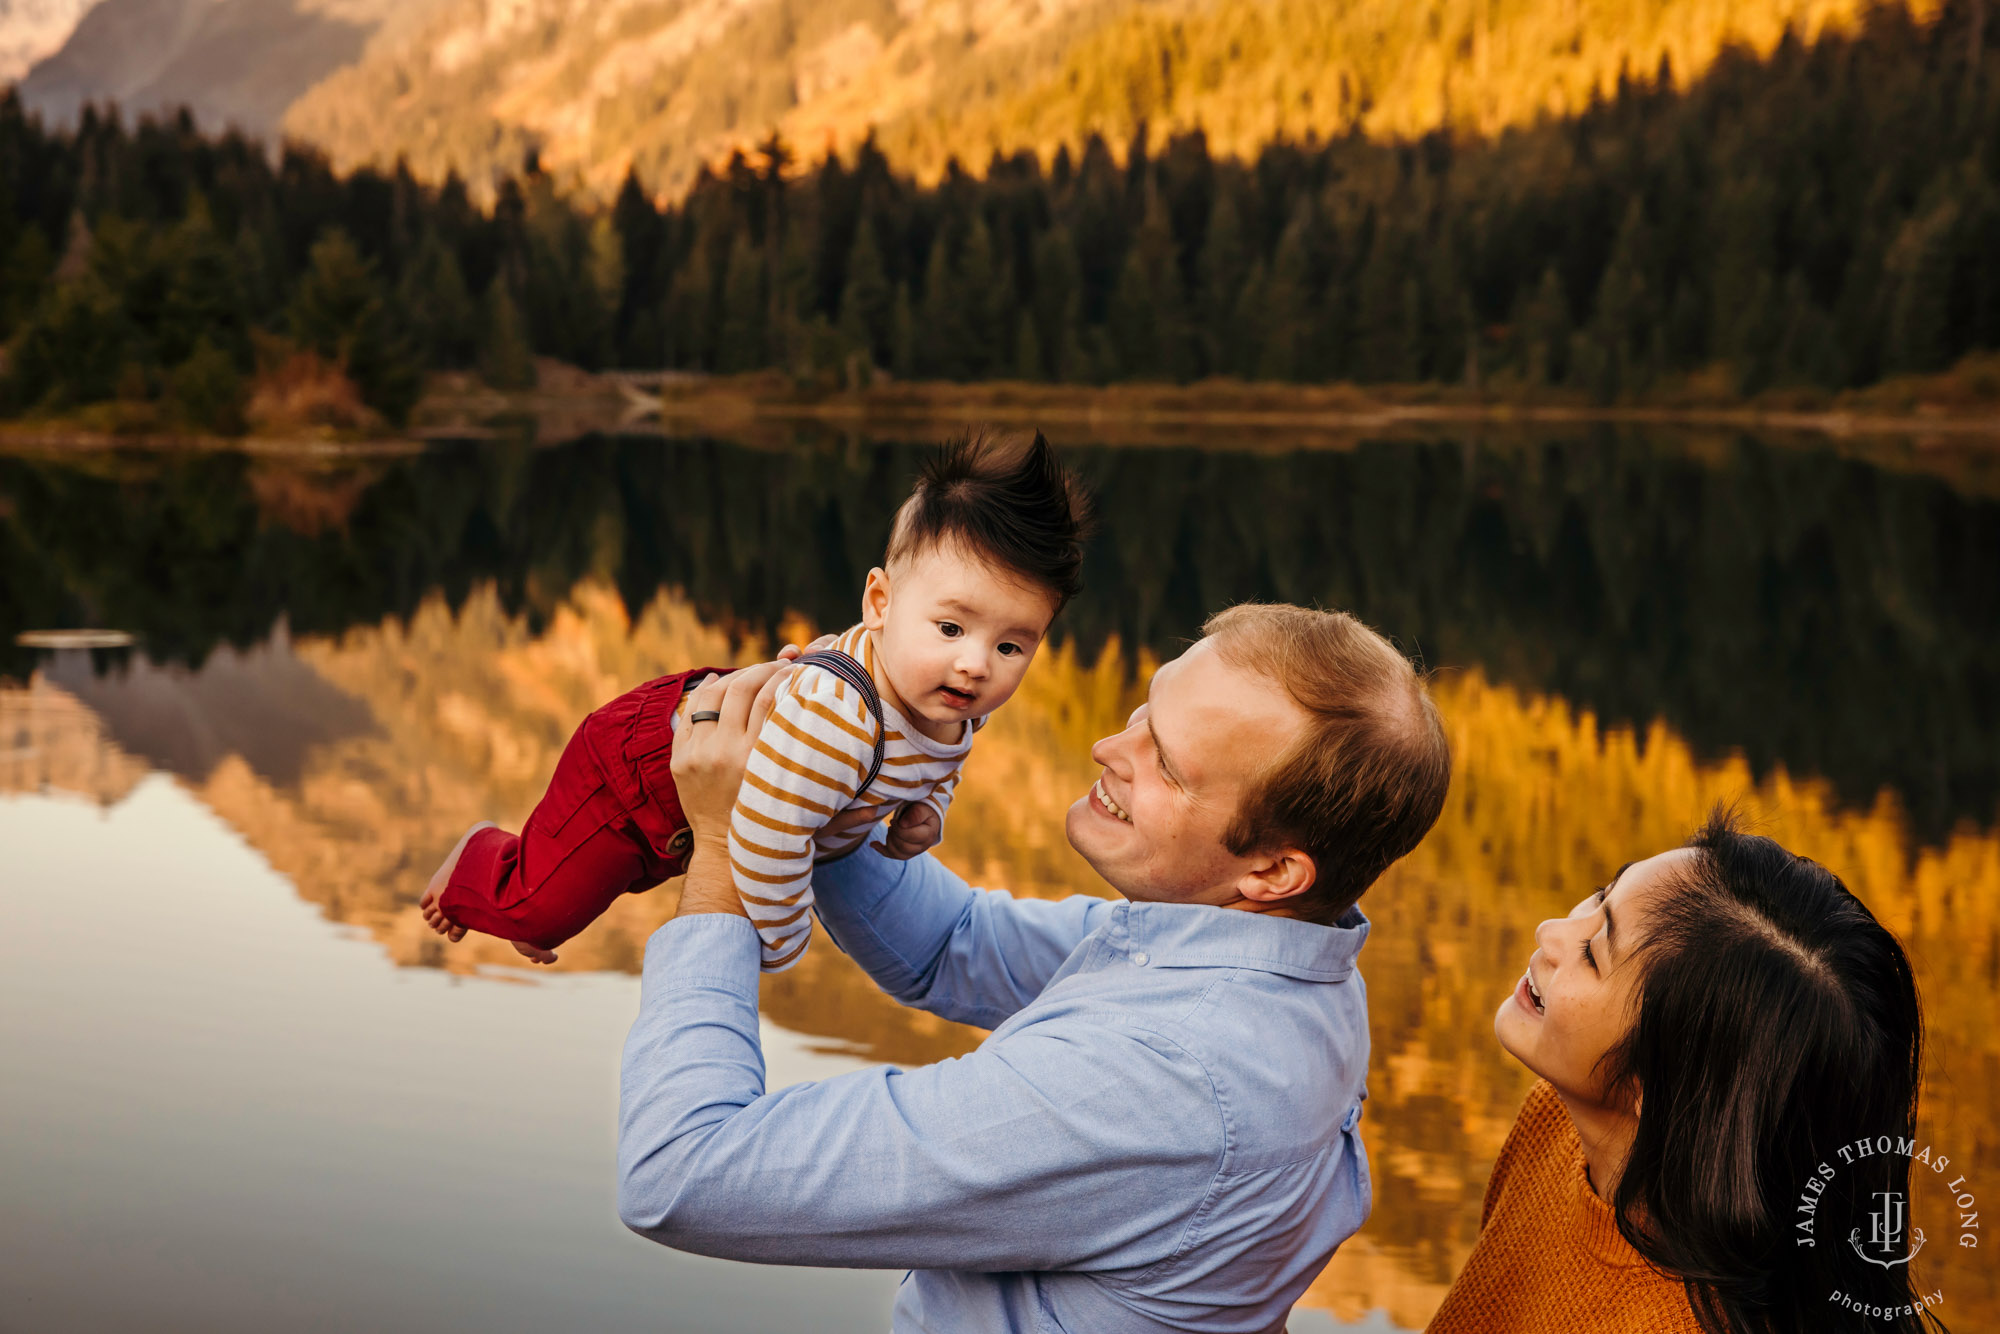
pixel 1111 807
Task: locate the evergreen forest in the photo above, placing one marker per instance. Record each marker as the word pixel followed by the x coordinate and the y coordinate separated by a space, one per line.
pixel 1817 220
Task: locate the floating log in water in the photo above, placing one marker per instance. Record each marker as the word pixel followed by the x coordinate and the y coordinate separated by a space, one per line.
pixel 75 639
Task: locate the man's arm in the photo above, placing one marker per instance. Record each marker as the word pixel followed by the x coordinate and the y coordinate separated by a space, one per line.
pixel 932 941
pixel 1069 1144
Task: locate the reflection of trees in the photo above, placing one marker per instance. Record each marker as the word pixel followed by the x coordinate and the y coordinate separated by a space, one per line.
pixel 1813 610
pixel 469 710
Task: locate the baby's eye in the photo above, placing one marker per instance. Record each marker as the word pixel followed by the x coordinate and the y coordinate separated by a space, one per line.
pixel 950 630
pixel 1009 650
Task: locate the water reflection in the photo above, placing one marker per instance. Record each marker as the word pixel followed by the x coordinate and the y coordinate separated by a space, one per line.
pixel 1836 615
pixel 1628 632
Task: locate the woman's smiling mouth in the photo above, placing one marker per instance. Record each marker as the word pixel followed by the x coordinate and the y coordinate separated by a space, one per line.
pixel 1528 995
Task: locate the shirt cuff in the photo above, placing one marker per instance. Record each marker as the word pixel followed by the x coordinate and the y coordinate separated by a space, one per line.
pixel 716 950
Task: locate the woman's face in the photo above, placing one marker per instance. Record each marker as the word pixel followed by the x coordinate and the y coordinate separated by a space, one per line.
pixel 1573 1004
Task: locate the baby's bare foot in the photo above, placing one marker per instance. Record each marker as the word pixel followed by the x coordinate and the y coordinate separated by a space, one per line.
pixel 533 953
pixel 428 905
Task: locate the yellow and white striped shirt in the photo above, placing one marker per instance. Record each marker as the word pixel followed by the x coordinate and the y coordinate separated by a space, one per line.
pixel 814 749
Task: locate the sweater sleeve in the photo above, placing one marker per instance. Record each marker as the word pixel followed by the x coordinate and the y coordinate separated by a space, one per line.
pixel 809 758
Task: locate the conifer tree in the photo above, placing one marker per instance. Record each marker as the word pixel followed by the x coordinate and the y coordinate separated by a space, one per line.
pixel 444 323
pixel 903 336
pixel 740 342
pixel 506 361
pixel 340 311
pixel 866 301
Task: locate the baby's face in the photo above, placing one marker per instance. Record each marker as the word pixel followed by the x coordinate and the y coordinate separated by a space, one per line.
pixel 956 633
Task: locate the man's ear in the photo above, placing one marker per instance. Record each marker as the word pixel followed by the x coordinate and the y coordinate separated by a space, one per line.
pixel 875 599
pixel 1278 876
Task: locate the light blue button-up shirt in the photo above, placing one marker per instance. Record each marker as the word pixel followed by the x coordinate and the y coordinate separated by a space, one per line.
pixel 1159 1134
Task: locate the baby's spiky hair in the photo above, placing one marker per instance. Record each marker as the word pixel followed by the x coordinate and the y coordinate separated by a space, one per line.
pixel 1008 500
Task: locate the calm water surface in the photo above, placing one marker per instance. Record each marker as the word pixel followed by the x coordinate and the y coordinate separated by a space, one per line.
pixel 245 1090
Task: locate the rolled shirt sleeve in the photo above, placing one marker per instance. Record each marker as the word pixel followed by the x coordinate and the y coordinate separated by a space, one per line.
pixel 1038 1151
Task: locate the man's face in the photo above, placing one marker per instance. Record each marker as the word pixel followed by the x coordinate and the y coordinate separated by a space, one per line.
pixel 1174 779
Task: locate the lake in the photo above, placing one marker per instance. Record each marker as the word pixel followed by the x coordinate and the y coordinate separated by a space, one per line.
pixel 247 1090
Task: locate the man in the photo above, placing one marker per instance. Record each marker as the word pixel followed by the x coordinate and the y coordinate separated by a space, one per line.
pixel 1161 1131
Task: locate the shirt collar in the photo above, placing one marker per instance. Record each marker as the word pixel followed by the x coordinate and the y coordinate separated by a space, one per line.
pixel 1194 935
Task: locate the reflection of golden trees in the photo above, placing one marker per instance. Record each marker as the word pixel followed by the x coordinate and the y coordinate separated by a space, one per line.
pixel 471 710
pixel 49 739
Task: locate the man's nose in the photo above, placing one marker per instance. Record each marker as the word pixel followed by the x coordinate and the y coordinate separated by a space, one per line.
pixel 1109 753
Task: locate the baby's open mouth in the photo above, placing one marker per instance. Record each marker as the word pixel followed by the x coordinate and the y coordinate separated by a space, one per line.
pixel 955 696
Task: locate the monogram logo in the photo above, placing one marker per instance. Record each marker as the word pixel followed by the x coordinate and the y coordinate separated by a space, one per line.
pixel 1885 1232
pixel 1890 1240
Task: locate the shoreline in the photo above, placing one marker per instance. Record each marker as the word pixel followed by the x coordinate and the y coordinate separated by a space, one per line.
pixel 764 407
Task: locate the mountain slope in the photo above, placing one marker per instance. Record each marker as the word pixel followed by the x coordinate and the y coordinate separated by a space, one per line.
pixel 239 63
pixel 31 29
pixel 665 86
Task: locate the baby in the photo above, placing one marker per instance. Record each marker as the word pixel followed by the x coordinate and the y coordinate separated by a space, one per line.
pixel 982 556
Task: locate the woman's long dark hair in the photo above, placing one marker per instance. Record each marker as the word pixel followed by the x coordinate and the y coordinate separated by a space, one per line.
pixel 1777 1023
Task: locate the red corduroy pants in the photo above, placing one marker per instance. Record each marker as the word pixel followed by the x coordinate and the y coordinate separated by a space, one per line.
pixel 609 824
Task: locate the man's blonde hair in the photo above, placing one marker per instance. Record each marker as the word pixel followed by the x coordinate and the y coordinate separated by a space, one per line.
pixel 1364 780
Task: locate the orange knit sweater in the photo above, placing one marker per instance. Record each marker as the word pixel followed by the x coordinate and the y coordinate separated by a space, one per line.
pixel 1549 1259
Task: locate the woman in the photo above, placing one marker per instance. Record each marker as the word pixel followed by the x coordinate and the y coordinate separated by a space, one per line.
pixel 1709 1029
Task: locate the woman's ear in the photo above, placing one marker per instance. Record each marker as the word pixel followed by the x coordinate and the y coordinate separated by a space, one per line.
pixel 875 599
pixel 1282 875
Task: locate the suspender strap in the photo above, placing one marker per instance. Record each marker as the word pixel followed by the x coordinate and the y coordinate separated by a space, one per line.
pixel 850 670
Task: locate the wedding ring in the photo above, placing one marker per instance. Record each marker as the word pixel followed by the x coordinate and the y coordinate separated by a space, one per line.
pixel 704 715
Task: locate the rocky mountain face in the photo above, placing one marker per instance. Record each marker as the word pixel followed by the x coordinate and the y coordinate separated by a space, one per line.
pixel 597 87
pixel 238 63
pixel 592 89
pixel 31 29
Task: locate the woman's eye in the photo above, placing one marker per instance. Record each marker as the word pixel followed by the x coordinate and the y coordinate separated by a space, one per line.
pixel 1589 957
pixel 949 630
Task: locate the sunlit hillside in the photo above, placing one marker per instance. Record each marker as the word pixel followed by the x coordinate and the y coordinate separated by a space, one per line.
pixel 663 88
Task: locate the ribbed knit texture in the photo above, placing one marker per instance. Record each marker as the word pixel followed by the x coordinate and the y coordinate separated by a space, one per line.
pixel 813 750
pixel 1549 1259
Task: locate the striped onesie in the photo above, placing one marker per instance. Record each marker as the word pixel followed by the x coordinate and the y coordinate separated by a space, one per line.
pixel 814 749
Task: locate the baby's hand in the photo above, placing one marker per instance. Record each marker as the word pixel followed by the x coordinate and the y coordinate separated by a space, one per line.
pixel 917 828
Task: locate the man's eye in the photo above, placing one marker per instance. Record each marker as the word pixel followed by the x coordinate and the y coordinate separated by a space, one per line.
pixel 949 630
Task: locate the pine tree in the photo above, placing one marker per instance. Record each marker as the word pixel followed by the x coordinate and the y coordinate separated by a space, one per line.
pixel 866 301
pixel 1028 363
pixel 506 361
pixel 740 345
pixel 689 313
pixel 1223 268
pixel 903 336
pixel 1147 321
pixel 444 323
pixel 1544 324
pixel 340 311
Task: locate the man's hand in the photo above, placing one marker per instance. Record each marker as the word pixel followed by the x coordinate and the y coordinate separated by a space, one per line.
pixel 917 828
pixel 709 759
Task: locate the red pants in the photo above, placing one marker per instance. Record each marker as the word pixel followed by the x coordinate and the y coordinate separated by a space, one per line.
pixel 609 824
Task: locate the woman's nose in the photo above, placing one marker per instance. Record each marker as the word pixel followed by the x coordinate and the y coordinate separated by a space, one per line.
pixel 1542 930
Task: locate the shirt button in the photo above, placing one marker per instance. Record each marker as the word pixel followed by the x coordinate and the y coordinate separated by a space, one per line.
pixel 1142 958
